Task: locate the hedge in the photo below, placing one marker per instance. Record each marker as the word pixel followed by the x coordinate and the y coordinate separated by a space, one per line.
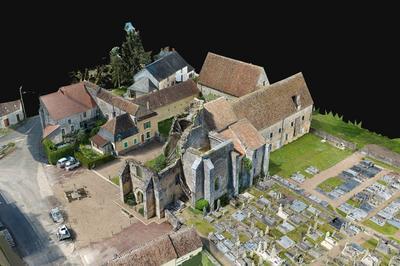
pixel 91 163
pixel 201 203
pixel 54 154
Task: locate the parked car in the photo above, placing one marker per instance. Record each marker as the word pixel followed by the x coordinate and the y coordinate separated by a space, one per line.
pixel 56 215
pixel 70 165
pixel 63 232
pixel 62 161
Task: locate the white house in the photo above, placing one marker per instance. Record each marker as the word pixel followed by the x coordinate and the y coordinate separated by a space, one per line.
pixel 11 113
pixel 67 110
pixel 162 73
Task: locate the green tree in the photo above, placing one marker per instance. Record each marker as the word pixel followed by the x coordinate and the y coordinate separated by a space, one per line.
pixel 133 56
pixel 117 66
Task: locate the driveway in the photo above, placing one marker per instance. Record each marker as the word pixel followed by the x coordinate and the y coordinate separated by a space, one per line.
pixel 26 198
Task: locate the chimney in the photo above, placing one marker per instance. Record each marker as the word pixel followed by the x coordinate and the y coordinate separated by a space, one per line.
pixel 148 105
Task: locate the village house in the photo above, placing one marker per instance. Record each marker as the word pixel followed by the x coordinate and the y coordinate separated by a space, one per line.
pixel 223 76
pixel 172 249
pixel 11 113
pixel 170 101
pixel 171 68
pixel 281 112
pixel 118 135
pixel 66 111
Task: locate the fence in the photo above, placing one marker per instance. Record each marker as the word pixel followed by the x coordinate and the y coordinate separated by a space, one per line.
pixel 338 142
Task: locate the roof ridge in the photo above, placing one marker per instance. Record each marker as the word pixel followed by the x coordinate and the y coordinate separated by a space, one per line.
pixel 236 60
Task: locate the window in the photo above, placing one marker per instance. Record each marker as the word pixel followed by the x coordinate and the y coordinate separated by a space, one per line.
pixel 62 131
pixel 291 124
pixel 147 125
pixel 125 144
pixel 286 137
pixel 254 171
pixel 69 121
pixel 216 184
pixel 255 155
pixel 270 147
pixel 280 130
pixel 134 141
pixel 177 179
pixel 84 114
pixel 271 135
pixel 302 118
pixel 72 128
pixel 147 135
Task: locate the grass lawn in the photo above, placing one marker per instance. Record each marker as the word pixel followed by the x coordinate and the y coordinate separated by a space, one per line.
pixel 302 153
pixel 115 180
pixel 387 229
pixel 90 153
pixel 243 237
pixel 382 182
pixel 157 164
pixel 260 225
pixel 164 126
pixel 297 234
pixel 275 233
pixel 341 213
pixel 200 259
pixel 331 183
pixel 227 235
pixel 370 244
pixel 195 218
pixel 210 97
pixel 119 91
pixel 353 203
pixel 350 132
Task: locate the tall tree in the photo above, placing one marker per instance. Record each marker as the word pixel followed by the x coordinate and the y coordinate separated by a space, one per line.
pixel 117 67
pixel 133 55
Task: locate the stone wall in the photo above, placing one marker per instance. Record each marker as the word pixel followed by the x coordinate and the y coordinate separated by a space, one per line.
pixel 333 139
pixel 382 154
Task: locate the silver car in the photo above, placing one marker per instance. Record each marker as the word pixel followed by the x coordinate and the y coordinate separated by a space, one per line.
pixel 63 232
pixel 56 215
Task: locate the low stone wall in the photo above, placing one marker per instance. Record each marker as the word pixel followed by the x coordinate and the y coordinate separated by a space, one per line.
pixel 382 154
pixel 333 139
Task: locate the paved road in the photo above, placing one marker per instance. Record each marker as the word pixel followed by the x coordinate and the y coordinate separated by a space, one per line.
pixel 26 198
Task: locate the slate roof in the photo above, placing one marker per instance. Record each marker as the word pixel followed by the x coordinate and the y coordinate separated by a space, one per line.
pixel 143 85
pixel 219 114
pixel 49 129
pixel 272 103
pixel 229 76
pixel 161 250
pixel 9 107
pixel 244 135
pixel 68 100
pixel 168 95
pixel 167 65
pixel 121 127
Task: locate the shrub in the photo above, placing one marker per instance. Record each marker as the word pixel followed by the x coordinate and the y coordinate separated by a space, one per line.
pixel 92 162
pixel 224 200
pixel 130 202
pixel 129 196
pixel 141 211
pixel 201 203
pixel 247 164
pixel 54 154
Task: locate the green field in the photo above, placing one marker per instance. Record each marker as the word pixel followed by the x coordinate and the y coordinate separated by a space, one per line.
pixel 387 229
pixel 350 132
pixel 195 217
pixel 331 183
pixel 165 126
pixel 200 259
pixel 302 153
pixel 354 203
pixel 119 91
pixel 370 244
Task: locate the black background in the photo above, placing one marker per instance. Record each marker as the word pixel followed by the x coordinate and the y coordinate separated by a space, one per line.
pixel 348 54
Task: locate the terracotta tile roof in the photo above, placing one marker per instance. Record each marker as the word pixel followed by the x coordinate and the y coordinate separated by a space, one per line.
pixel 9 107
pixel 117 101
pixel 219 114
pixel 161 250
pixel 99 140
pixel 168 95
pixel 121 126
pixel 68 100
pixel 244 135
pixel 49 129
pixel 228 75
pixel 274 102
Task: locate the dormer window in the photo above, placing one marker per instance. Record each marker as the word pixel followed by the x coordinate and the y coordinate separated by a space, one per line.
pixel 296 101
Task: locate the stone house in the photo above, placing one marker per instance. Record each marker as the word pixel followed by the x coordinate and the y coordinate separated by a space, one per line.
pixel 162 73
pixel 201 163
pixel 118 135
pixel 170 101
pixel 281 112
pixel 66 111
pixel 171 249
pixel 11 113
pixel 223 76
